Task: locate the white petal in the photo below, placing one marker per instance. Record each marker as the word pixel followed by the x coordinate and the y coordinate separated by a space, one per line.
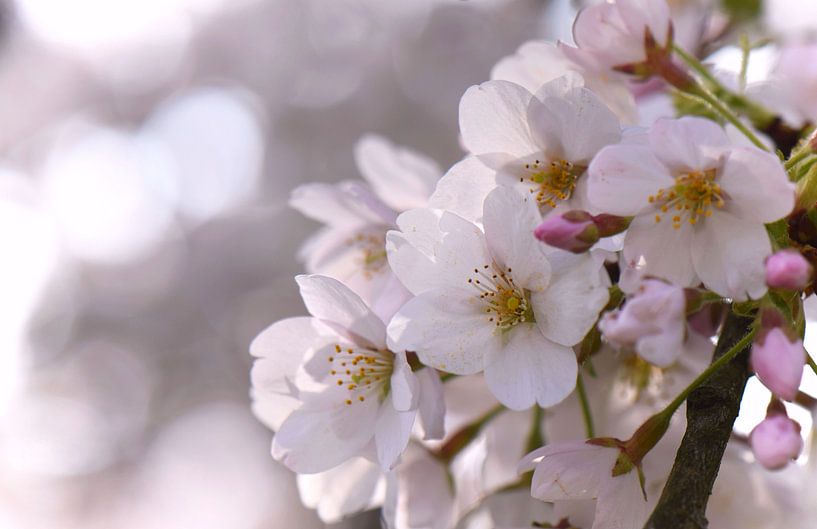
pixel 387 295
pixel 535 63
pixel 641 14
pixel 392 433
pixel 405 388
pixel 757 186
pixel 352 487
pixel 331 301
pixel 509 223
pixel 664 348
pixel 411 250
pixel 493 119
pixel 281 350
pixel 463 189
pixel 571 470
pixel 429 254
pixel 621 503
pixel 323 250
pixel 530 369
pixel 432 404
pixel 336 205
pixel 570 306
pixel 446 329
pixel 729 254
pixel 402 178
pixel 688 144
pixel 667 251
pixel 622 177
pixel 315 440
pixel 424 498
pixel 578 124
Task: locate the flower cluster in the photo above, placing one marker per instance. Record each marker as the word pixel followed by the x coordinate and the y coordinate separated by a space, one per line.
pixel 535 316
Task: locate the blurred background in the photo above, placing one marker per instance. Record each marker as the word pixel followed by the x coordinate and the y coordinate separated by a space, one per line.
pixel 148 149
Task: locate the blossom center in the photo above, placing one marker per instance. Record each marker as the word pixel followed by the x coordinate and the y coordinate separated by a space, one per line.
pixel 691 199
pixel 372 248
pixel 551 182
pixel 505 303
pixel 362 372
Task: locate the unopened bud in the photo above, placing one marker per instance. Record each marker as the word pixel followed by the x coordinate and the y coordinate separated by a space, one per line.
pixel 776 441
pixel 788 269
pixel 573 231
pixel 778 362
pixel 610 225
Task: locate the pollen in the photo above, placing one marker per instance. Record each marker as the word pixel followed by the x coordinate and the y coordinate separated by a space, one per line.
pixel 372 252
pixel 503 301
pixel 368 374
pixel 551 182
pixel 693 198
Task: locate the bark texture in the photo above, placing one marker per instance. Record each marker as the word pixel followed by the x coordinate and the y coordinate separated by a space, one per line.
pixel 711 412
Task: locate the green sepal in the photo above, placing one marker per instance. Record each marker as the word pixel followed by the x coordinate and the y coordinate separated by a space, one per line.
pixel 624 465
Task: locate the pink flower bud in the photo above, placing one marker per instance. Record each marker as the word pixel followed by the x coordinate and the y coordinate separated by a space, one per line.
pixel 776 441
pixel 573 231
pixel 778 363
pixel 788 269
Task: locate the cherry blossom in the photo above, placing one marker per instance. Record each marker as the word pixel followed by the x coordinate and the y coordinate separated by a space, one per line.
pixel 357 215
pixel 355 396
pixel 539 143
pixel 699 202
pixel 652 322
pixel 580 470
pixel 612 35
pixel 493 300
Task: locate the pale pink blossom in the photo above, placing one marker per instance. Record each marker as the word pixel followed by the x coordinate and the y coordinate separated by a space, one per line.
pixel 538 143
pixel 613 34
pixel 578 470
pixel 699 204
pixel 652 323
pixel 778 362
pixel 356 216
pixel 494 301
pixel 341 392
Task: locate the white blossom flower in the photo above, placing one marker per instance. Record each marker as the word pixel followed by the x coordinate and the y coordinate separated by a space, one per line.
pixel 700 204
pixel 494 301
pixel 357 216
pixel 579 470
pixel 540 143
pixel 355 397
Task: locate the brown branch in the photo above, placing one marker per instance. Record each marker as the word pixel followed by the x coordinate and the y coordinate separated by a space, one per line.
pixel 711 412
